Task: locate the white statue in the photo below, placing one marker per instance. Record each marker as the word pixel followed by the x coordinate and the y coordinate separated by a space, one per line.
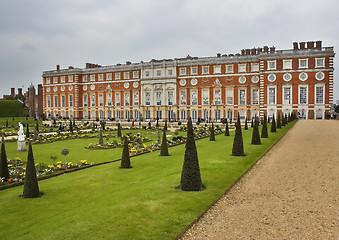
pixel 21 139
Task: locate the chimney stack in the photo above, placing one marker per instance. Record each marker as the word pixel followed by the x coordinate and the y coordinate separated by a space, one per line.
pixel 247 51
pixel 295 46
pixel 12 91
pixel 253 51
pixel 302 45
pixel 318 45
pixel 58 67
pixel 265 49
pixel 310 45
pixel 243 52
pixel 19 91
pixel 272 49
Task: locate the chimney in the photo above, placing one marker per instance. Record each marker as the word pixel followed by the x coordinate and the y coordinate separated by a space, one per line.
pixel 58 67
pixel 272 49
pixel 265 49
pixel 218 55
pixel 259 50
pixel 243 52
pixel 302 45
pixel 248 51
pixel 12 91
pixel 253 51
pixel 128 63
pixel 70 67
pixel 19 91
pixel 295 46
pixel 310 45
pixel 318 45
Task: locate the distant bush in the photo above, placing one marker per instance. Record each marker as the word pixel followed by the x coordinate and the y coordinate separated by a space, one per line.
pixel 11 108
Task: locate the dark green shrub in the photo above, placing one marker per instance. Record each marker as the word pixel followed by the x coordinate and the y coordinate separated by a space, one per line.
pixel 227 131
pixel 278 121
pixel 164 145
pixel 119 130
pixel 255 134
pixel 264 131
pixel 246 126
pixel 4 173
pixel 273 125
pixel 212 135
pixel 125 159
pixel 101 140
pixel 238 145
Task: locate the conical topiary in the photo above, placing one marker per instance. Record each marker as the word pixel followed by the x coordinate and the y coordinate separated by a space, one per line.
pixel 283 123
pixel 125 159
pixel 255 134
pixel 164 145
pixel 286 119
pixel 31 187
pixel 278 121
pixel 6 123
pixel 190 175
pixel 70 126
pixel 246 126
pixel 238 145
pixel 273 125
pixel 252 124
pixel 119 130
pixel 212 135
pixel 4 173
pixel 101 139
pixel 264 132
pixel 37 126
pixel 227 131
pixel 27 130
pixel 35 136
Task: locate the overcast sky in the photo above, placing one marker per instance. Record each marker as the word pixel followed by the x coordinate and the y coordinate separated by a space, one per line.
pixel 37 35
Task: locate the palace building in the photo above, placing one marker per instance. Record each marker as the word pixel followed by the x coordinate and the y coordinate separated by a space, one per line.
pixel 253 82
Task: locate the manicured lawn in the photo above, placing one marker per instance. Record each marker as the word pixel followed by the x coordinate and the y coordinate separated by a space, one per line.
pixel 105 202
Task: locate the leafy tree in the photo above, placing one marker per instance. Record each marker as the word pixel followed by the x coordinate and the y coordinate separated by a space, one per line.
pixel 4 173
pixel 119 130
pixel 31 187
pixel 238 145
pixel 65 152
pixel 273 125
pixel 246 126
pixel 227 131
pixel 164 145
pixel 190 175
pixel 278 121
pixel 255 134
pixel 264 132
pixel 125 159
pixel 212 135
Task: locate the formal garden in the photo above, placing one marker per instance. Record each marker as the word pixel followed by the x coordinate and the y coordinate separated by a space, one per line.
pixel 168 176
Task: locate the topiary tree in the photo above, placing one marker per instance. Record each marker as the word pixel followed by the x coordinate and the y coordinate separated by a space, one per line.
pixel 4 172
pixel 212 135
pixel 35 136
pixel 164 145
pixel 101 139
pixel 283 123
pixel 190 175
pixel 125 159
pixel 238 145
pixel 70 126
pixel 227 131
pixel 264 132
pixel 31 187
pixel 246 126
pixel 37 126
pixel 6 123
pixel 255 134
pixel 27 130
pixel 278 121
pixel 65 152
pixel 119 130
pixel 286 119
pixel 273 125
pixel 252 124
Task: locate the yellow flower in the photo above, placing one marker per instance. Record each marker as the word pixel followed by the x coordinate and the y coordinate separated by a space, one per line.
pixel 59 166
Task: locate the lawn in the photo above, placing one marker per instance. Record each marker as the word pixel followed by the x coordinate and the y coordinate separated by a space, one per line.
pixel 105 202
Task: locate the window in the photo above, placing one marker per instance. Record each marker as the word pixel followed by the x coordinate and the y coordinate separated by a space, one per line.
pixel 287 64
pixel 117 99
pixel 85 100
pixel 271 95
pixel 229 96
pixel 136 114
pixel 127 115
pixel 302 95
pixel 242 97
pixel 117 76
pixel 205 70
pixel 229 68
pixel 194 115
pixel 70 78
pixel 205 113
pixel 319 114
pixel 118 114
pixel 92 78
pixel 194 70
pixel 255 113
pixel 135 74
pixel 217 69
pixel 242 115
pixel 63 101
pixel 170 98
pixel 217 97
pixel 255 96
pixel 217 114
pixel 101 100
pixel 146 73
pixel 271 65
pixel 158 98
pixel 126 99
pixel 109 99
pixel 55 101
pixel 319 62
pixel 194 97
pixel 286 95
pixel 229 114
pixel 182 71
pixel 84 78
pixel 55 80
pixel 48 101
pixel 126 75
pixel 109 76
pixel 241 67
pixel 101 114
pixel 183 114
pixel 319 95
pixel 63 79
pixel 255 67
pixel 183 98
pixel 70 101
pixel 147 98
pixel 92 100
pixel 70 114
pixel 159 114
pixel 93 114
pixel 63 114
pixel 48 81
pixel 205 97
pixel 303 63
pixel 101 77
pixel 170 72
pixel 85 114
pixel 158 72
pixel 136 99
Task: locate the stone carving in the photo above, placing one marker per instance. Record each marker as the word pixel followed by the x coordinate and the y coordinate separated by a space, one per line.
pixel 217 82
pixel 21 139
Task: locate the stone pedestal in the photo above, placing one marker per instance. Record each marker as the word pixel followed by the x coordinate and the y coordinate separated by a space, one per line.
pixel 21 146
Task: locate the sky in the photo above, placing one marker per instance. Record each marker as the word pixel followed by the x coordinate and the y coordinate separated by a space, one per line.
pixel 37 35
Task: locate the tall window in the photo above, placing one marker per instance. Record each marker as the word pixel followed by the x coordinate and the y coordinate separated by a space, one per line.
pixel 109 76
pixel 127 115
pixel 85 101
pixel 101 114
pixel 319 95
pixel 229 114
pixel 70 100
pixel 147 98
pixel 148 114
pixel 242 97
pixel 118 113
pixel 194 70
pixel 319 62
pixel 255 67
pixel 217 97
pixel 117 76
pixel 55 101
pixel 217 69
pixel 182 71
pixel 205 112
pixel 101 100
pixel 217 114
pixel 229 96
pixel 159 114
pixel 109 99
pixel 183 98
pixel 63 101
pixel 287 95
pixel 117 99
pixel 170 98
pixel 48 101
pixel 271 95
pixel 302 95
pixel 126 99
pixel 255 96
pixel 136 99
pixel 93 100
pixel 205 97
pixel 194 97
pixel 158 98
pixel 183 114
pixel 194 115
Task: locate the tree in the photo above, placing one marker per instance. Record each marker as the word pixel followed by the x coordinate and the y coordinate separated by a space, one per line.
pixel 164 145
pixel 255 133
pixel 246 126
pixel 227 131
pixel 70 126
pixel 278 121
pixel 27 130
pixel 125 159
pixel 31 187
pixel 35 136
pixel 190 175
pixel 6 123
pixel 238 145
pixel 252 123
pixel 264 132
pixel 119 130
pixel 273 125
pixel 4 173
pixel 283 123
pixel 101 140
pixel 212 135
pixel 65 152
pixel 37 126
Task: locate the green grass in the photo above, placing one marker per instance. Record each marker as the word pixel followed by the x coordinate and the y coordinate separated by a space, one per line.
pixel 106 202
pixel 16 121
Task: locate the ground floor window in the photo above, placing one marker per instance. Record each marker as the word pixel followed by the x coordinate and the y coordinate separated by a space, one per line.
pixel 93 115
pixel 101 114
pixel 242 115
pixel 118 114
pixel 85 115
pixel 319 114
pixel 205 113
pixel 148 114
pixel 229 114
pixel 217 115
pixel 159 115
pixel 183 114
pixel 127 115
pixel 194 115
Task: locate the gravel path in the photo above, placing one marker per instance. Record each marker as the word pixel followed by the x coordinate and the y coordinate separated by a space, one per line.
pixel 291 193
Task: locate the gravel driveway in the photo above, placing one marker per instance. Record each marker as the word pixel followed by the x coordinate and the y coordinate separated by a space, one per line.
pixel 291 193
